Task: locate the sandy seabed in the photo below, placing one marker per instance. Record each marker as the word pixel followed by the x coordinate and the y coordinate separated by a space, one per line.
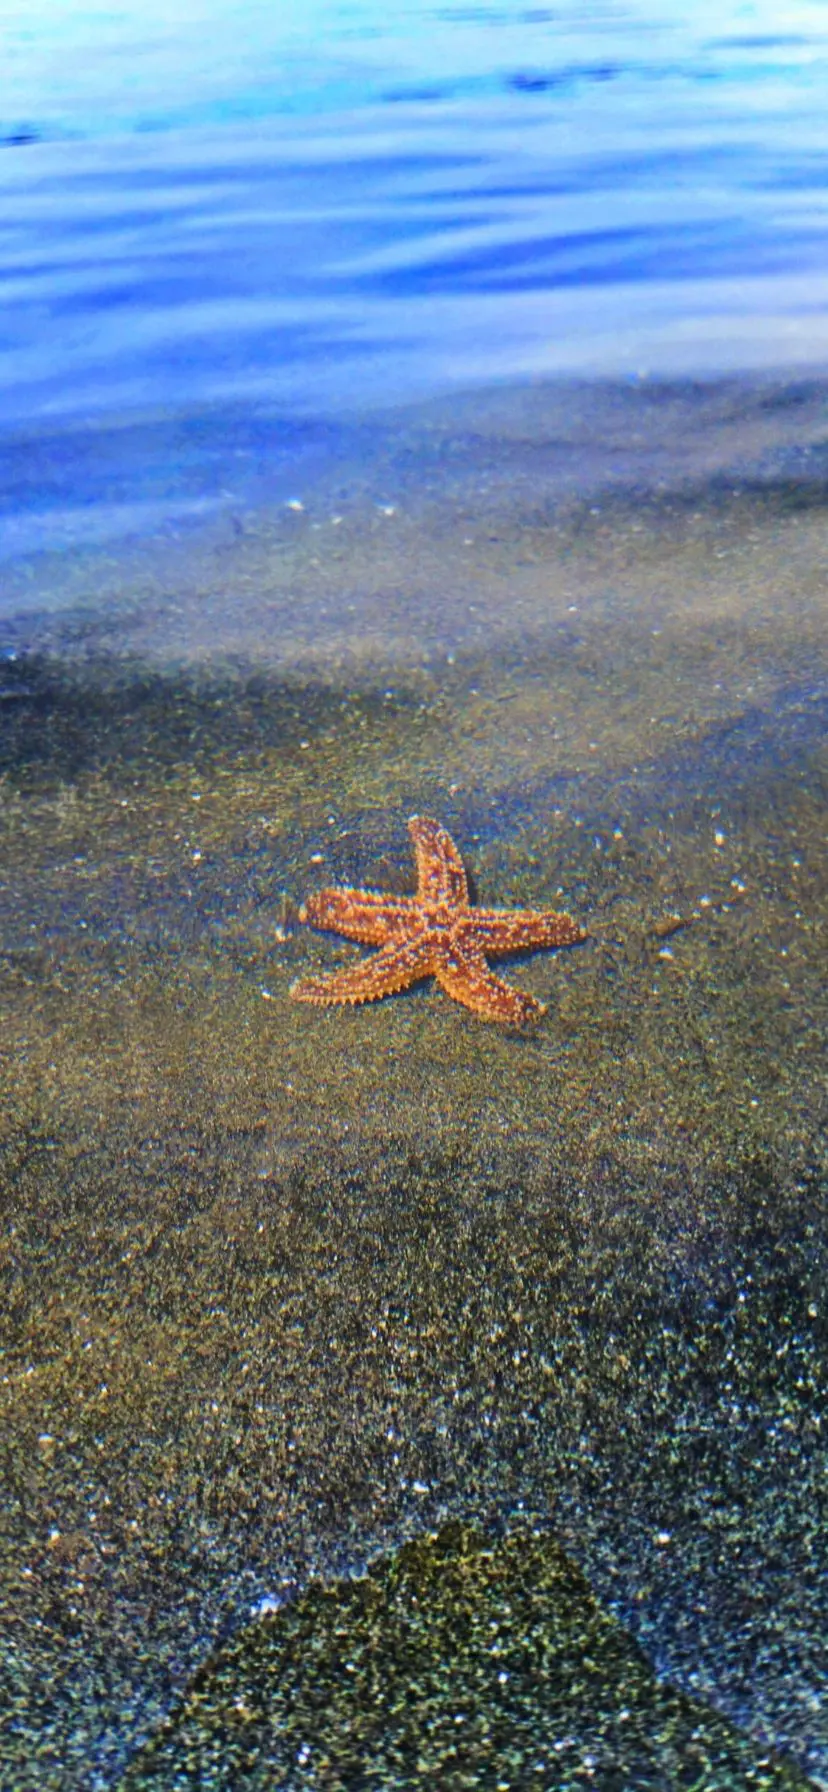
pixel 289 1295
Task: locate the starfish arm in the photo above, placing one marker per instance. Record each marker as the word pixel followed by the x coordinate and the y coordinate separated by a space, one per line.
pixel 388 971
pixel 465 975
pixel 358 914
pixel 440 873
pixel 519 930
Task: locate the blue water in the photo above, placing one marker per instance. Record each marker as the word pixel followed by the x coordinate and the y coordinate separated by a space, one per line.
pixel 317 209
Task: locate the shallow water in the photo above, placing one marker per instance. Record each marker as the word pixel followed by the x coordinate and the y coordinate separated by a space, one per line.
pixel 290 553
pixel 284 1288
pixel 363 207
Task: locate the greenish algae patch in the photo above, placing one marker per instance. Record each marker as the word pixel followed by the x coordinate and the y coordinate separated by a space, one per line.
pixel 461 1662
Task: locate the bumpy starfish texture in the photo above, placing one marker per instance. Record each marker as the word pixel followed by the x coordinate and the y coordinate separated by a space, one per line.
pixel 436 933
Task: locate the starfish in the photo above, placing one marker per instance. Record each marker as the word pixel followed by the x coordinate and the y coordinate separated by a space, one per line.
pixel 435 933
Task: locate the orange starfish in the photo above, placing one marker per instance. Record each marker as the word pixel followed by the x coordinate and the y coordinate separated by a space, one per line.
pixel 433 934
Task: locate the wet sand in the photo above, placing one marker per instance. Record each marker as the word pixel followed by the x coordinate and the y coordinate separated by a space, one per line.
pixel 286 1287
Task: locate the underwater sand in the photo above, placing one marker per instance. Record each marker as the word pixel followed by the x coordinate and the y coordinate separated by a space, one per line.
pixel 284 1288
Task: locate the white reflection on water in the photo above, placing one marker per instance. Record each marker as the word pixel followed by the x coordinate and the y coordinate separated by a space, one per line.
pixel 322 207
pixel 150 64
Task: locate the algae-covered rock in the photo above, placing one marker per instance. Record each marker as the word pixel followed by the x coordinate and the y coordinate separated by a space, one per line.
pixel 459 1662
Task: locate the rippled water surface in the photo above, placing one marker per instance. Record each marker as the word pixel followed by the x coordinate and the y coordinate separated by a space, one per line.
pixel 331 206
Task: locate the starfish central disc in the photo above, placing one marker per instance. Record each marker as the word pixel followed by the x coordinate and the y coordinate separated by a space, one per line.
pixel 435 933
